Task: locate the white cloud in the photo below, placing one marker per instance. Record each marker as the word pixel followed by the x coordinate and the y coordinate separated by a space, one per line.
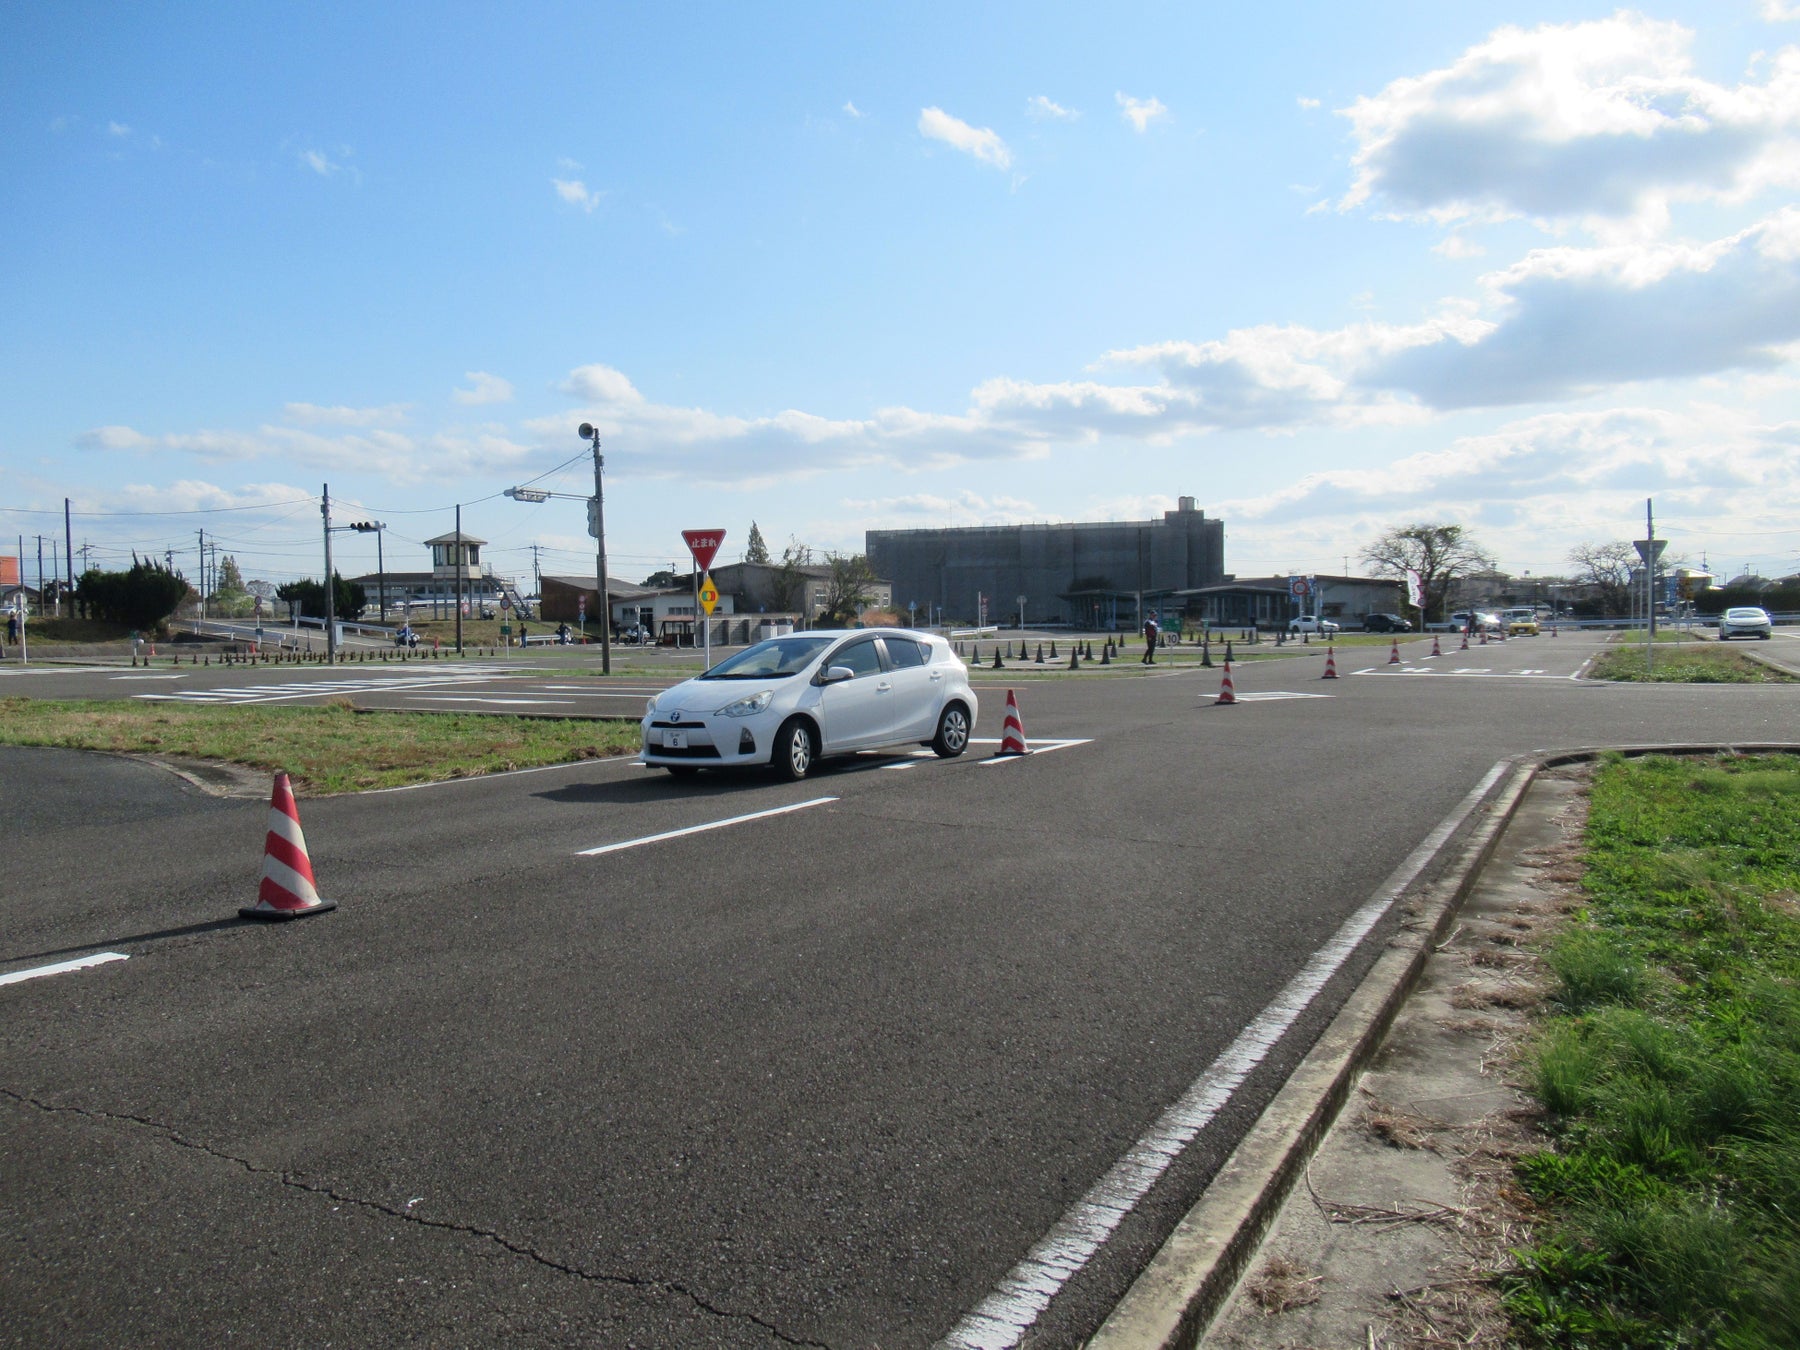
pixel 1575 321
pixel 1458 246
pixel 483 388
pixel 577 193
pixel 1602 121
pixel 1306 102
pixel 983 143
pixel 312 415
pixel 1780 11
pixel 1141 112
pixel 118 129
pixel 319 163
pixel 1042 109
pixel 853 110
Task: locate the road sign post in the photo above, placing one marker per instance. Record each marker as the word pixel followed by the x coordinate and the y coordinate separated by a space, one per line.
pixel 704 545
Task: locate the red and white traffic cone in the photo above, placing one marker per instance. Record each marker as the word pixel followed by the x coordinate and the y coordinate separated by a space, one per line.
pixel 1484 637
pixel 1435 649
pixel 1012 734
pixel 1394 652
pixel 287 890
pixel 1465 641
pixel 1330 664
pixel 1226 694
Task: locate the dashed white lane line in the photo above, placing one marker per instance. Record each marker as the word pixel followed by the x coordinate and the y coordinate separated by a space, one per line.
pixel 1003 1319
pixel 700 829
pixel 503 702
pixel 62 967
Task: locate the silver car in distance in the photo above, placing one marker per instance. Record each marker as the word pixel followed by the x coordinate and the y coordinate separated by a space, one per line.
pixel 790 701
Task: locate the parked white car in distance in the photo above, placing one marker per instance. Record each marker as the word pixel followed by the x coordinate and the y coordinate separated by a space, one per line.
pixel 789 701
pixel 1312 623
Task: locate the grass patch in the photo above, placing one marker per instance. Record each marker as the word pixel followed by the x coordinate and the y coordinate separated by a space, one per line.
pixel 1671 1201
pixel 1688 665
pixel 326 749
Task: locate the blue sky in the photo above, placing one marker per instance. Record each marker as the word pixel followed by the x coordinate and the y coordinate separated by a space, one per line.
pixel 1327 269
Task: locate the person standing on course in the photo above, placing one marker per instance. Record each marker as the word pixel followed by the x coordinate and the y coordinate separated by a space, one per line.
pixel 1150 631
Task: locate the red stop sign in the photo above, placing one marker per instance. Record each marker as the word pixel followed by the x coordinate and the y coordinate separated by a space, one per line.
pixel 703 544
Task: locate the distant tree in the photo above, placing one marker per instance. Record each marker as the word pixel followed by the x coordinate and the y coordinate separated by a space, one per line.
pixel 1605 570
pixel 229 596
pixel 756 551
pixel 849 590
pixel 1438 553
pixel 141 598
pixel 788 584
pixel 308 597
pixel 230 579
pixel 666 580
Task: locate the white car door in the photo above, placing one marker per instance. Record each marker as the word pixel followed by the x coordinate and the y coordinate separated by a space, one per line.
pixel 918 688
pixel 859 711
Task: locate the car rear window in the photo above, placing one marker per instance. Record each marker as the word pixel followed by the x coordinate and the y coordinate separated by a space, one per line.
pixel 903 652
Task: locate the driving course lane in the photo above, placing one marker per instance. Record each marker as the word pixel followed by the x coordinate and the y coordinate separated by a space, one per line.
pixel 823 1077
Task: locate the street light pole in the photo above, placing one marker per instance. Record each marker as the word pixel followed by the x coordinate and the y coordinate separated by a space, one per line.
pixel 592 433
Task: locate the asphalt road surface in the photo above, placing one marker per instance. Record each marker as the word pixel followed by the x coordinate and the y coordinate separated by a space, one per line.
pixel 590 1056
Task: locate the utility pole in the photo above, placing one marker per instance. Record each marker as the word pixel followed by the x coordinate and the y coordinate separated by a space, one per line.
pixel 330 618
pixel 459 578
pixel 203 576
pixel 593 433
pixel 69 553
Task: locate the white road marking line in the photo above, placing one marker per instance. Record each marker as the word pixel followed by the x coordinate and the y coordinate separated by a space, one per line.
pixel 1032 747
pixel 1274 695
pixel 62 967
pixel 700 829
pixel 1002 1319
pixel 170 676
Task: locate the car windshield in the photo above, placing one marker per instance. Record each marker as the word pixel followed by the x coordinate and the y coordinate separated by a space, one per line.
pixel 773 659
pixel 1743 614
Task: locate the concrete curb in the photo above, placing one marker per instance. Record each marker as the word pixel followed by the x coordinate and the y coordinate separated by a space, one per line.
pixel 1175 1299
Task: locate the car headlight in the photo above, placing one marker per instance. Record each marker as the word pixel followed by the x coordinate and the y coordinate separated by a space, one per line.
pixel 650 705
pixel 747 706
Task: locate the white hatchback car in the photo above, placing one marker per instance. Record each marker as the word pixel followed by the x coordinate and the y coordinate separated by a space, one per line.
pixel 790 701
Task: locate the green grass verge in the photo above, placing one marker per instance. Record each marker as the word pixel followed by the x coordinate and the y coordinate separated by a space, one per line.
pixel 1686 665
pixel 326 749
pixel 1671 1071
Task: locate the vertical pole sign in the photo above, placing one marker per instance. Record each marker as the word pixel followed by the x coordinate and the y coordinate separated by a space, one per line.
pixel 704 545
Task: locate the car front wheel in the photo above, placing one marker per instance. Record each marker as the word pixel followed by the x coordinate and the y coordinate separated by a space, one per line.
pixel 952 733
pixel 794 751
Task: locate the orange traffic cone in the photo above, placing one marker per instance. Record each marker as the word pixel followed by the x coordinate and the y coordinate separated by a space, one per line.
pixel 1435 649
pixel 1394 652
pixel 1330 665
pixel 1012 735
pixel 1226 693
pixel 287 881
pixel 1484 637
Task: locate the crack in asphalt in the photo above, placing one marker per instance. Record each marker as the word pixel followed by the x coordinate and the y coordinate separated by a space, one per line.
pixel 298 1183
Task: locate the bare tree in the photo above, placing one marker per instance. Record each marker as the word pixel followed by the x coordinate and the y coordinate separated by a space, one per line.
pixel 850 589
pixel 1605 569
pixel 788 585
pixel 1438 553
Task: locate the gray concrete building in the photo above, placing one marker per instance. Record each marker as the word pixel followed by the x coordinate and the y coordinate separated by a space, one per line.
pixel 1091 575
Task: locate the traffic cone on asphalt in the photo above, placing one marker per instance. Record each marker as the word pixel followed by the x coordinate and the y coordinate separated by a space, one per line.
pixel 287 890
pixel 1226 693
pixel 1394 652
pixel 1435 649
pixel 1484 637
pixel 1465 644
pixel 1012 735
pixel 1330 664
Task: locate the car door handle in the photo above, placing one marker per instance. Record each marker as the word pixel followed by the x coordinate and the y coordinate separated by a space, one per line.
pixel 883 687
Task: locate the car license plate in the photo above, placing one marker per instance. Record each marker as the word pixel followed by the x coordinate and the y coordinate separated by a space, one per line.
pixel 674 740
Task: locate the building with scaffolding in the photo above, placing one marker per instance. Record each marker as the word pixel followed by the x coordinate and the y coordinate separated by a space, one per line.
pixel 1093 575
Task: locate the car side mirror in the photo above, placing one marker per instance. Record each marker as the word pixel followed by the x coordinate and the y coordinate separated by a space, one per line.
pixel 837 675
